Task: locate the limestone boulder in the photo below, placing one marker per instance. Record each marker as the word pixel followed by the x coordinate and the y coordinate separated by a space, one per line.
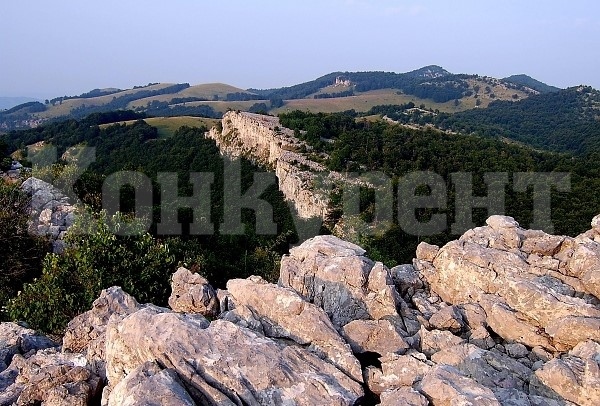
pixel 437 340
pixel 16 339
pixel 377 336
pixel 51 212
pixel 488 368
pixel 397 371
pixel 406 278
pixel 535 288
pixel 192 293
pixel 149 384
pixel 284 314
pixel 574 377
pixel 448 318
pixel 221 363
pixel 86 333
pixel 51 377
pixel 445 385
pixel 403 397
pixel 336 276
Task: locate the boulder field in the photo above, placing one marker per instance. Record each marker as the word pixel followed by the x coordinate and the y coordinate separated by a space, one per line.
pixel 501 316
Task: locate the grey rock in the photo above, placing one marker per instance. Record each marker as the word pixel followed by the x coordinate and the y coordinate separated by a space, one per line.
pixel 574 377
pixel 490 369
pixel 231 364
pixel 436 340
pixel 15 339
pixel 403 397
pixel 336 276
pixel 191 293
pixel 378 336
pixel 149 384
pixel 52 377
pixel 444 385
pixel 396 371
pixel 86 333
pixel 406 278
pixel 447 318
pixel 51 211
pixel 283 313
pixel 516 350
pixel 427 252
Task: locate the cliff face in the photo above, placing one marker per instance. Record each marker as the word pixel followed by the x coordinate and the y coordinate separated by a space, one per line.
pixel 262 140
pixel 502 316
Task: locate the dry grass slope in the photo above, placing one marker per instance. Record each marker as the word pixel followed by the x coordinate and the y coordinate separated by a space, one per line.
pixel 167 126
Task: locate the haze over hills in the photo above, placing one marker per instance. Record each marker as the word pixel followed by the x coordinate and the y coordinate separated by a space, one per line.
pixel 431 86
pixel 10 102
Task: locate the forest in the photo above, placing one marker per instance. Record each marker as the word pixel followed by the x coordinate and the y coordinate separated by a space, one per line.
pixel 563 121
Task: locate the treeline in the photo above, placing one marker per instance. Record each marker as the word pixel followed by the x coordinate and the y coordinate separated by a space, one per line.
pixel 121 102
pixel 360 146
pixel 166 109
pixel 345 93
pixel 88 95
pixel 242 96
pixel 527 81
pixel 564 121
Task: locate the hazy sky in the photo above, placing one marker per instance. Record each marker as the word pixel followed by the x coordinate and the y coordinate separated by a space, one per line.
pixel 53 48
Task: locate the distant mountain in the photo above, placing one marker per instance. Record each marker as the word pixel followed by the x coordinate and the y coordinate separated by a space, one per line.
pixel 531 83
pixel 10 102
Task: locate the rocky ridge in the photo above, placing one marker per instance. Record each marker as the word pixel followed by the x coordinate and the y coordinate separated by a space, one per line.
pixel 502 316
pixel 263 140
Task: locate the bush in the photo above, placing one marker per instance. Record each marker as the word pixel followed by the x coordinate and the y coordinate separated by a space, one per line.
pixel 95 259
pixel 20 253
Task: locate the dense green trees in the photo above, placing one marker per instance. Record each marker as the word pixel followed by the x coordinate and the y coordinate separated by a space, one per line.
pixel 95 259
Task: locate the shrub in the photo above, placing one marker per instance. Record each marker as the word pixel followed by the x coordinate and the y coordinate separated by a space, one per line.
pixel 95 259
pixel 20 253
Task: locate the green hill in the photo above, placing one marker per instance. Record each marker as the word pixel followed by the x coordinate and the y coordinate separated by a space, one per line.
pixel 564 121
pixel 532 83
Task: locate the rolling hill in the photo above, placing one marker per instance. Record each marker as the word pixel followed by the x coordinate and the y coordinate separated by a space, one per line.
pixel 430 86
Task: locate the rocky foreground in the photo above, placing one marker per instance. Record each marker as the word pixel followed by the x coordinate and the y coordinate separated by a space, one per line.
pixel 502 316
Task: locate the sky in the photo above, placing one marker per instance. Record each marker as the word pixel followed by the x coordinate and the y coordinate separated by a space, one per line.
pixel 67 47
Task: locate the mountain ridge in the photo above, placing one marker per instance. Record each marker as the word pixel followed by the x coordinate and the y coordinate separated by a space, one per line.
pixel 431 85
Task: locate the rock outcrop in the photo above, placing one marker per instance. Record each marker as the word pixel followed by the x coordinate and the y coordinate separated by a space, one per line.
pixel 263 140
pixel 223 363
pixel 536 289
pixel 336 276
pixel 284 314
pixel 51 212
pixel 191 293
pixel 503 316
